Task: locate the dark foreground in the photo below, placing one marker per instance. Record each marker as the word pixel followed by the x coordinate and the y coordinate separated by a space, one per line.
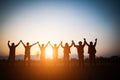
pixel 37 70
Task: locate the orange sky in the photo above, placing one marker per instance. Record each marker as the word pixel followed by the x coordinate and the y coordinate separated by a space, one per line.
pixel 55 22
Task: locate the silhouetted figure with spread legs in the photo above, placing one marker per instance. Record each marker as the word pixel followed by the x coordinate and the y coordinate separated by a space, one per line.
pixel 80 51
pixel 66 51
pixel 42 49
pixel 27 50
pixel 12 48
pixel 55 51
pixel 92 52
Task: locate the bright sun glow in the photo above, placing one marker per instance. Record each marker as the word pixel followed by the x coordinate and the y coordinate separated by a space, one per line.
pixel 49 54
pixel 56 21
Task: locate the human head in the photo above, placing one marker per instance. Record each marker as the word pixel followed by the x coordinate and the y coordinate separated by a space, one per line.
pixel 42 45
pixel 55 45
pixel 13 44
pixel 66 44
pixel 27 43
pixel 80 42
pixel 91 43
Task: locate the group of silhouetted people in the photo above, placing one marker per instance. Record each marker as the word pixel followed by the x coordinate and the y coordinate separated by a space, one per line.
pixel 91 51
pixel 66 51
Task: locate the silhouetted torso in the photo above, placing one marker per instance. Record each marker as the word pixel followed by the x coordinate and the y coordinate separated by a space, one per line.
pixel 92 52
pixel 55 52
pixel 12 52
pixel 66 51
pixel 42 52
pixel 91 49
pixel 27 50
pixel 12 48
pixel 80 49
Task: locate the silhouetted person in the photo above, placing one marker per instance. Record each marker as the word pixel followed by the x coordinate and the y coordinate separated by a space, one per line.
pixel 55 51
pixel 66 51
pixel 12 48
pixel 42 49
pixel 80 51
pixel 27 50
pixel 92 51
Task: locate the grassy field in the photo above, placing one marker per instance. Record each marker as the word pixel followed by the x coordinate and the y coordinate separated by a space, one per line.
pixel 50 70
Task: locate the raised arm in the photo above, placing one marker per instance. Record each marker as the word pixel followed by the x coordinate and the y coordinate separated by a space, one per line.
pixel 9 43
pixel 95 42
pixel 23 43
pixel 18 43
pixel 71 45
pixel 86 42
pixel 51 45
pixel 33 44
pixel 39 44
pixel 47 44
pixel 59 45
pixel 62 44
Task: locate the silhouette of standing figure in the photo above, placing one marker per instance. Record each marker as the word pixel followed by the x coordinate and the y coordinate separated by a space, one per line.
pixel 27 50
pixel 55 51
pixel 92 52
pixel 43 48
pixel 80 51
pixel 66 51
pixel 12 48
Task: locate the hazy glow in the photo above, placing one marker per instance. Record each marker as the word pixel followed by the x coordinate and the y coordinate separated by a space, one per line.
pixel 49 53
pixel 56 22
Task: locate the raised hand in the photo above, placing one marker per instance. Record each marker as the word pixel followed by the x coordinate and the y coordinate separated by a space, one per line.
pixel 20 40
pixel 73 42
pixel 96 39
pixel 8 41
pixel 84 39
pixel 38 42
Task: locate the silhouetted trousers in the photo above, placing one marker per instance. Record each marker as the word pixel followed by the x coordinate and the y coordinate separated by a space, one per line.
pixel 81 59
pixel 92 59
pixel 27 56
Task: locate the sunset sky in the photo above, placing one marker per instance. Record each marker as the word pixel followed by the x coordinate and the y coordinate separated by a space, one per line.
pixel 56 21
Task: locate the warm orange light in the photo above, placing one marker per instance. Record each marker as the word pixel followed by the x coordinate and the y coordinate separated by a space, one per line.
pixel 49 54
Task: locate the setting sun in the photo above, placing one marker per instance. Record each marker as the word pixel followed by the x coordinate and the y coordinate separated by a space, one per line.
pixel 45 21
pixel 49 54
pixel 59 39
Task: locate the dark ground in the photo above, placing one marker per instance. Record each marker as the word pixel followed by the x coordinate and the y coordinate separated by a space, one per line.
pixel 50 71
